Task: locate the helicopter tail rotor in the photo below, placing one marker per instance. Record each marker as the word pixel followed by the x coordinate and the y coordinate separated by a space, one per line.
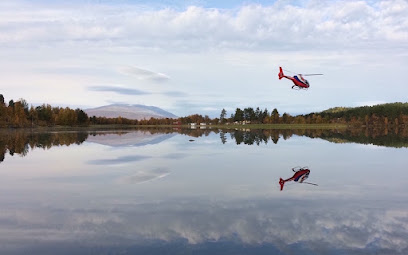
pixel 281 182
pixel 280 73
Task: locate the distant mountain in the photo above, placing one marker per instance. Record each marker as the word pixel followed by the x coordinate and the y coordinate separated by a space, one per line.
pixel 135 111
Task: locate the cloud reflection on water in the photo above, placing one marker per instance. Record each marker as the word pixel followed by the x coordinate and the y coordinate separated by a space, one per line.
pixel 118 160
pixel 143 176
pixel 291 226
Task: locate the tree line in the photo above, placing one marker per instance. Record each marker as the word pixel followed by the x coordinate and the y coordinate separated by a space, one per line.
pixel 384 115
pixel 388 115
pixel 19 114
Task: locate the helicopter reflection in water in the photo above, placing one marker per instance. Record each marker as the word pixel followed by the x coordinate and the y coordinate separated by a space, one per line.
pixel 301 174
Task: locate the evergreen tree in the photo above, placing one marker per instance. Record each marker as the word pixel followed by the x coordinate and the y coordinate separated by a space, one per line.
pixel 239 115
pixel 11 104
pixel 223 115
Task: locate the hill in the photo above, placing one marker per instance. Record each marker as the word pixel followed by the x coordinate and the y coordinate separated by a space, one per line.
pixel 135 111
pixel 390 110
pixel 337 109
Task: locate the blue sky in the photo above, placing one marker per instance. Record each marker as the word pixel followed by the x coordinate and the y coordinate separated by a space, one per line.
pixel 201 56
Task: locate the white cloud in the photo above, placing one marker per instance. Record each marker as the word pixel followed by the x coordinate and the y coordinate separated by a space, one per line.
pixel 211 54
pixel 143 74
pixel 251 26
pixel 369 103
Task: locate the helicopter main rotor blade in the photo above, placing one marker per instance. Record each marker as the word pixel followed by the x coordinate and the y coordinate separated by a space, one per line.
pixel 311 74
pixel 310 183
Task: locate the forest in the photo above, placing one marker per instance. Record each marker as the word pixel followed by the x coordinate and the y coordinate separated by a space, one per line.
pixel 385 115
pixel 19 114
pixel 392 115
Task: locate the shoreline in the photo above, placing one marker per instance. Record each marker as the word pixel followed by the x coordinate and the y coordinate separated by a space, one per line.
pixel 186 126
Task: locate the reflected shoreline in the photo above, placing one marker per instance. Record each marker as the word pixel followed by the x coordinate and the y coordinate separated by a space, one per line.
pixel 21 141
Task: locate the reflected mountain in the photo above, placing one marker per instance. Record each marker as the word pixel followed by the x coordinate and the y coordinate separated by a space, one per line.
pixel 126 138
pixel 21 141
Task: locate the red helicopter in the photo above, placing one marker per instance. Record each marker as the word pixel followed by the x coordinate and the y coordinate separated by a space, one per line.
pixel 301 174
pixel 298 80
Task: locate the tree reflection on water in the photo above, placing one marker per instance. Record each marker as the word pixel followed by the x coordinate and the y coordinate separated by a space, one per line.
pixel 21 141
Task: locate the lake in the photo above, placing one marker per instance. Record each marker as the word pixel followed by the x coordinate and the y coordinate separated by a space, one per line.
pixel 173 191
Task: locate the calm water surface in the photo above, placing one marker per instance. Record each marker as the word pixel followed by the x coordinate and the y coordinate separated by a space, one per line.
pixel 141 192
